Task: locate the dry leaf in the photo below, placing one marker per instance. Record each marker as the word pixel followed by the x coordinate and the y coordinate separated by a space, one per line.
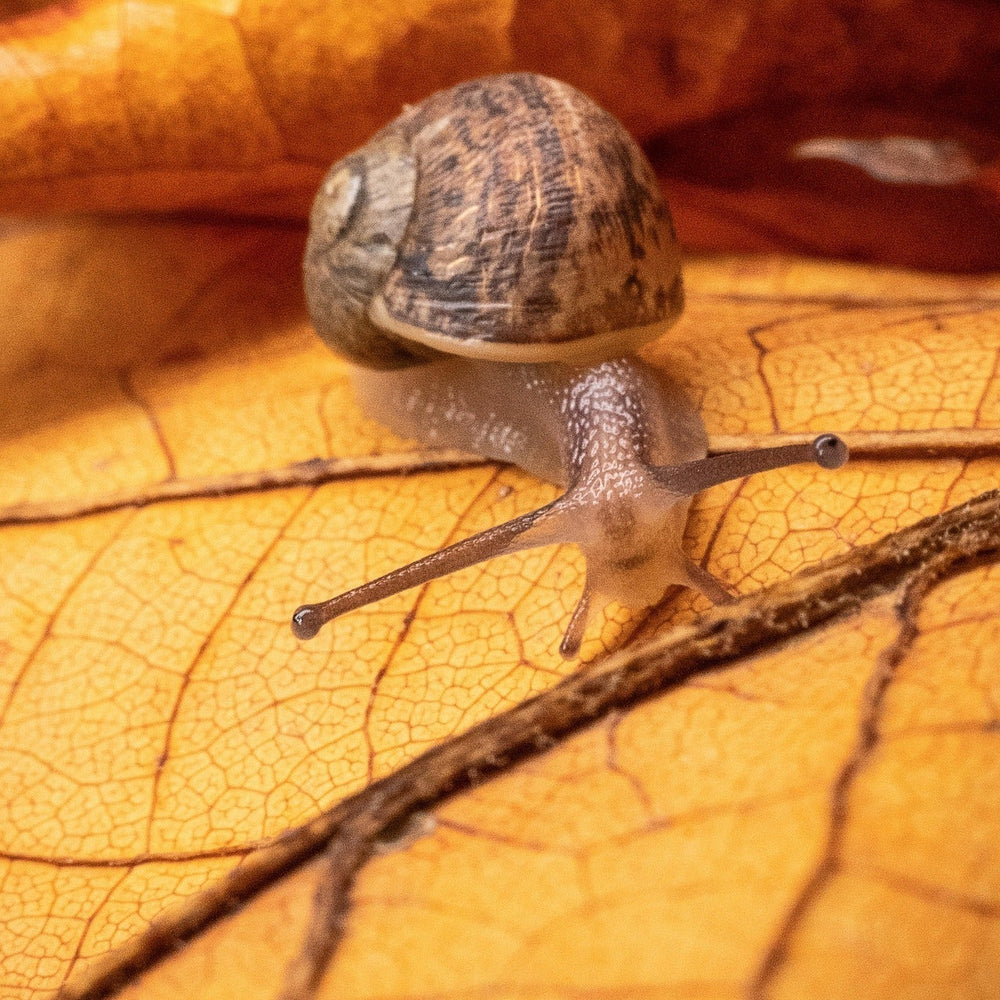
pixel 789 797
pixel 180 105
pixel 793 796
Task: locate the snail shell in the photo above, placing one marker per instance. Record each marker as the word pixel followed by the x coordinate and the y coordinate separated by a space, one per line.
pixel 509 218
pixel 510 235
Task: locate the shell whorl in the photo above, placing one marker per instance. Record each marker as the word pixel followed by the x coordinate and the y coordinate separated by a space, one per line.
pixel 357 222
pixel 537 233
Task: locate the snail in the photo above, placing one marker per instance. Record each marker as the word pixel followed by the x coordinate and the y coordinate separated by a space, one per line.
pixel 490 262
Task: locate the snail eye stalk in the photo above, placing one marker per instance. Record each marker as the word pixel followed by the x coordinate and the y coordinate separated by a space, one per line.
pixel 690 478
pixel 555 522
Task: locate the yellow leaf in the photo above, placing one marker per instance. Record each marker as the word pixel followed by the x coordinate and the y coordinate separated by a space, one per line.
pixel 781 824
pixel 238 109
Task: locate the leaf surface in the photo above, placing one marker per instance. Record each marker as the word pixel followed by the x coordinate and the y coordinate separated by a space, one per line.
pixel 812 818
pixel 238 109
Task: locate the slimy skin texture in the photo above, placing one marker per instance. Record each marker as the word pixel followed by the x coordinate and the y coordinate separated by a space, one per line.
pixel 490 262
pixel 619 435
pixel 596 430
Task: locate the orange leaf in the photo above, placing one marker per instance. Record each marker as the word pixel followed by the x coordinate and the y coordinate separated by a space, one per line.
pixel 782 802
pixel 166 105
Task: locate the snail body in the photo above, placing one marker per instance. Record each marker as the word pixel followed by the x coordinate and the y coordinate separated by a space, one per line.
pixel 624 420
pixel 490 262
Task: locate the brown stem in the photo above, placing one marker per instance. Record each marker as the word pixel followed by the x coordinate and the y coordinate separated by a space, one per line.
pixel 882 446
